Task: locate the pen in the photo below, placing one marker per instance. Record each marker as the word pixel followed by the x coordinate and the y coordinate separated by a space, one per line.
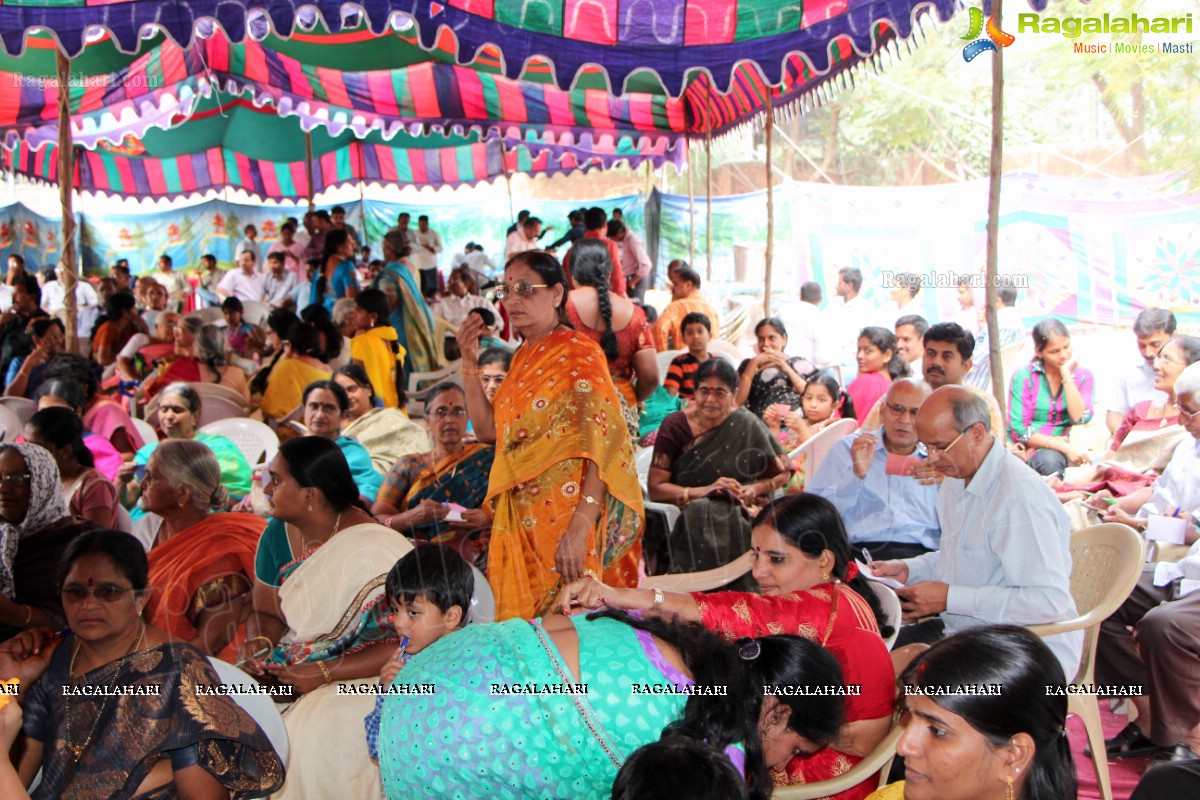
pixel 1175 513
pixel 867 555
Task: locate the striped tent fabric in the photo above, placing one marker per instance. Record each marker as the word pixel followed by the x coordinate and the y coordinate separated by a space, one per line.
pixel 107 172
pixel 672 37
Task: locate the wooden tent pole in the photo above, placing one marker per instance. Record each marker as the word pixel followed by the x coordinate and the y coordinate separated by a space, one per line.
pixel 708 194
pixel 691 208
pixel 308 169
pixel 66 187
pixel 995 169
pixel 770 250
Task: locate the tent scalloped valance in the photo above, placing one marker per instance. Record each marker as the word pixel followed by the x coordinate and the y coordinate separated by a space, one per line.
pixel 673 38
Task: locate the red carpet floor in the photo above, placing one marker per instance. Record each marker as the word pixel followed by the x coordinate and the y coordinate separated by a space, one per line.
pixel 1124 773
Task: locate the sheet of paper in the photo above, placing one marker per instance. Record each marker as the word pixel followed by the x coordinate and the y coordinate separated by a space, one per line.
pixel 456 513
pixel 891 583
pixel 1171 530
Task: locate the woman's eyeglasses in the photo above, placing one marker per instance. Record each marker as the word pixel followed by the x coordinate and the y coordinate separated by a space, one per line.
pixel 520 288
pixel 442 413
pixel 105 592
pixel 14 478
pixel 1164 359
pixel 490 379
pixel 719 394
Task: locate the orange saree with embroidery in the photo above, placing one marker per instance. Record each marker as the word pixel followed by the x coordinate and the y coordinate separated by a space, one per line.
pixel 835 616
pixel 201 567
pixel 556 410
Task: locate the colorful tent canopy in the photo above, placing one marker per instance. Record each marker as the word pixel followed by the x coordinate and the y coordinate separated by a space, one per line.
pixel 672 37
pixel 230 142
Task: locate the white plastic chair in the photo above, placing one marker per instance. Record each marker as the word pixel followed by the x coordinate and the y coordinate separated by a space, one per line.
pixel 210 316
pixel 701 581
pixel 483 600
pixel 642 465
pixel 419 384
pixel 207 390
pixel 259 706
pixel 1106 562
pixel 819 445
pixel 891 610
pixel 11 425
pixel 23 407
pixel 145 430
pixel 255 313
pixel 664 362
pixel 255 439
pixel 122 521
pixel 730 352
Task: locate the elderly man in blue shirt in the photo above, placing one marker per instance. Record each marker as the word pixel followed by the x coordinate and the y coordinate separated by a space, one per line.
pixel 869 479
pixel 1004 557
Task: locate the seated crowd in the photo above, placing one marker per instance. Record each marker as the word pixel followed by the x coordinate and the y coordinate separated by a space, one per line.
pixel 506 521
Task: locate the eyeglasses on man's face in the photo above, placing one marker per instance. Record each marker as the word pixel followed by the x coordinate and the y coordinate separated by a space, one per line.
pixel 933 450
pixel 520 288
pixel 899 409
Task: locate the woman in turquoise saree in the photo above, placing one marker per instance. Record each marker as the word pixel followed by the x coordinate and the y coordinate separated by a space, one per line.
pixel 552 708
pixel 321 620
pixel 411 316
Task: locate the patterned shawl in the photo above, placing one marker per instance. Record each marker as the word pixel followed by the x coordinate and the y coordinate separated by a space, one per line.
pixel 46 505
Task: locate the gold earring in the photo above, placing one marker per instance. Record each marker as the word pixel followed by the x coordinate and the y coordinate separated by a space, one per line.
pixel 1008 792
pixel 826 578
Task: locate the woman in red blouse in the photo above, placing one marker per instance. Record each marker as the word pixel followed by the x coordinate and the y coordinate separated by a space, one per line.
pixel 810 586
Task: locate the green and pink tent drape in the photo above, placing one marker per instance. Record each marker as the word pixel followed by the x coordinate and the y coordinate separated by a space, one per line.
pixel 410 90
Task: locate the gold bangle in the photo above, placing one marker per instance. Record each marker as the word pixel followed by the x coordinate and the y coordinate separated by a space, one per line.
pixel 687 490
pixel 325 671
pixel 270 644
pixel 470 373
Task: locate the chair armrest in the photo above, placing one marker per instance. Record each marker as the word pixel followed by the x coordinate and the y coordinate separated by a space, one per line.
pixel 1066 626
pixel 875 761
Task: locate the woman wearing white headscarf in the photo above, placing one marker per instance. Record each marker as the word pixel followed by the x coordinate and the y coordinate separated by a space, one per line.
pixel 35 527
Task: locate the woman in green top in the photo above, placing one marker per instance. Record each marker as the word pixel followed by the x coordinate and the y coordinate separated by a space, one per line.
pixel 553 707
pixel 178 417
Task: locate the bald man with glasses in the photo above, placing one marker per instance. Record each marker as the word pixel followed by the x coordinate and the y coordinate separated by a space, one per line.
pixel 868 477
pixel 1004 557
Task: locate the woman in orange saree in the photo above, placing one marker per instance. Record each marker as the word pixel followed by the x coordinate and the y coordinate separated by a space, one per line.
pixel 201 564
pixel 563 487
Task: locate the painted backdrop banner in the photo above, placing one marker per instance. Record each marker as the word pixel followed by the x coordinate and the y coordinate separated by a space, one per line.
pixel 1093 251
pixel 184 234
pixel 35 238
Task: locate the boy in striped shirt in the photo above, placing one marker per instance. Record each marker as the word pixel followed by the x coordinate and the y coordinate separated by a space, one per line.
pixel 696 330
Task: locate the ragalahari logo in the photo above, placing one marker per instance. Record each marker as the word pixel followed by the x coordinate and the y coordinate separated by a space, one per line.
pixel 995 35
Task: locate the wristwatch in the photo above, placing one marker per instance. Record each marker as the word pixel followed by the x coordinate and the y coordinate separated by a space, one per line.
pixel 659 597
pixel 591 501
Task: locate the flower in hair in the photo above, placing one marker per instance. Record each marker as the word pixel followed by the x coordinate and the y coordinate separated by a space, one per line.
pixel 851 571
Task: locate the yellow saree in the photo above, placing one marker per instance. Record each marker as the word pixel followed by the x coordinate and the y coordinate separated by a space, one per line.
pixel 374 348
pixel 556 410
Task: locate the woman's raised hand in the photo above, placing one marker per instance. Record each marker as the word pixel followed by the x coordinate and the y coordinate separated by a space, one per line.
pixel 468 338
pixel 27 655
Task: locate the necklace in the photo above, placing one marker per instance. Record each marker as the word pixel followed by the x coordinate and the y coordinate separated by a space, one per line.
pixel 77 749
pixel 311 547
